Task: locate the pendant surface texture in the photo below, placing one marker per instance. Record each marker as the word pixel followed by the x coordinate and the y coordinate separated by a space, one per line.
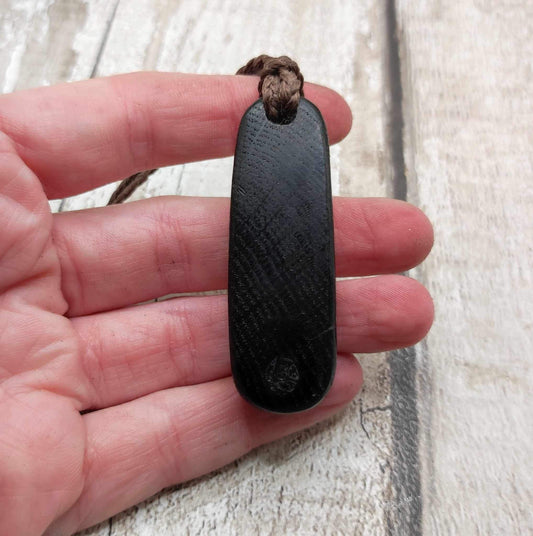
pixel 281 287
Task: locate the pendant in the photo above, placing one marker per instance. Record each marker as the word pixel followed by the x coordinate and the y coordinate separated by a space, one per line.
pixel 281 288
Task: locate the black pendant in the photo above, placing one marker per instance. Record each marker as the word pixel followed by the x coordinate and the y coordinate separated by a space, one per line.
pixel 281 289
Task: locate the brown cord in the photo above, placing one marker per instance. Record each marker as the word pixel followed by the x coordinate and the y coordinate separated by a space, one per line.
pixel 128 186
pixel 280 86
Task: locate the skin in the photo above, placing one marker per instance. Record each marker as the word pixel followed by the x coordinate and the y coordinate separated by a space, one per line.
pixel 155 377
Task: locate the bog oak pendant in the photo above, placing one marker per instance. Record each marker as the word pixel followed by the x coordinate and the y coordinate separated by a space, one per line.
pixel 281 289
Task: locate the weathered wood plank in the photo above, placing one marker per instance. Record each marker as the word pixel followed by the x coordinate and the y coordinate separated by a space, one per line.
pixel 468 116
pixel 48 41
pixel 335 477
pixel 44 42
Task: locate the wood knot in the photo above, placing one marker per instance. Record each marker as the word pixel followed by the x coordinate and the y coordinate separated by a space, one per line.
pixel 280 85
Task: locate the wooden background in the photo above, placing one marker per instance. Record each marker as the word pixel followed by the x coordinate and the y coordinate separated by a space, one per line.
pixel 440 440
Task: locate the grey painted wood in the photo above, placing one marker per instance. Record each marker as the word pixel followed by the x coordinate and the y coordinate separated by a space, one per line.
pixel 468 111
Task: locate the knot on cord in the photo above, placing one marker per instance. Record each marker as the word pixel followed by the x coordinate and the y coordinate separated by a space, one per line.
pixel 280 85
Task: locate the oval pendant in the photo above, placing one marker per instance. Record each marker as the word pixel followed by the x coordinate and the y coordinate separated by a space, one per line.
pixel 281 288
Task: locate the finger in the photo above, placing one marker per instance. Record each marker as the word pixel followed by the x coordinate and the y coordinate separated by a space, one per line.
pixel 78 136
pixel 25 221
pixel 116 256
pixel 136 449
pixel 130 353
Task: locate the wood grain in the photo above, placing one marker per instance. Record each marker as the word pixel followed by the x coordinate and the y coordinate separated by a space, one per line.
pixel 468 113
pixel 281 275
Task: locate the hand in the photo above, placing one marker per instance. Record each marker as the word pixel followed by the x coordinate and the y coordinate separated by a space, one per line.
pixel 156 376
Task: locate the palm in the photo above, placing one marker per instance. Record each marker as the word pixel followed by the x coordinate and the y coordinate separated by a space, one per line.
pixel 41 462
pixel 157 376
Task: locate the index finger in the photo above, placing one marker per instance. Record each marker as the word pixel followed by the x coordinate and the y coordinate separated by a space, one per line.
pixel 81 135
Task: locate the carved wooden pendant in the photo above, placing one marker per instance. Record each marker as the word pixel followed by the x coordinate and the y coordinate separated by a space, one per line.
pixel 281 290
